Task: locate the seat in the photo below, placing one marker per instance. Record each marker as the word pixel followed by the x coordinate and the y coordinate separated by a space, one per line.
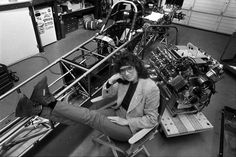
pixel 136 144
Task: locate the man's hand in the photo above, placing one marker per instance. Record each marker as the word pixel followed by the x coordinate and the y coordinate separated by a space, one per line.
pixel 118 120
pixel 113 79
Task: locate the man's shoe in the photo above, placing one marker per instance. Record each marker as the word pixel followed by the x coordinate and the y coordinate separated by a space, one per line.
pixel 41 93
pixel 26 108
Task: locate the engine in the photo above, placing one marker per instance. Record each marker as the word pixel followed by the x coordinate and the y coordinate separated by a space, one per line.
pixel 186 76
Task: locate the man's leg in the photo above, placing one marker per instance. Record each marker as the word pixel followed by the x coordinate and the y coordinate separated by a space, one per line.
pixel 60 111
pixel 69 114
pixel 57 117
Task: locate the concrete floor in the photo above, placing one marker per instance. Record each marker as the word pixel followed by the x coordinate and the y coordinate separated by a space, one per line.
pixel 76 140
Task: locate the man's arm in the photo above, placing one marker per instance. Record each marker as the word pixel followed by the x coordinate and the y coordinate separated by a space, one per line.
pixel 150 115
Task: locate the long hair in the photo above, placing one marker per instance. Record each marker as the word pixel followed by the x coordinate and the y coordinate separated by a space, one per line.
pixel 128 58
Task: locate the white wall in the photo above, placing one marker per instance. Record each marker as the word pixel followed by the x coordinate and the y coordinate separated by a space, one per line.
pixel 17 37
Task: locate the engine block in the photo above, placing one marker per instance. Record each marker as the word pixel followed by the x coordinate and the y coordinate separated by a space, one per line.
pixel 186 76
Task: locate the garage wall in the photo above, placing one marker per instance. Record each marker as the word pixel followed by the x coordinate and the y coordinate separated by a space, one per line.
pixel 17 37
pixel 213 15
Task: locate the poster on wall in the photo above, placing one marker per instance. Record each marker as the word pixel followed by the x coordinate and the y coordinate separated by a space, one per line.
pixel 46 27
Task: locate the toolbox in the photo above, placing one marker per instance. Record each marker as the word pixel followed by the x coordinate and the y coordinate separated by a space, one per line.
pixel 6 83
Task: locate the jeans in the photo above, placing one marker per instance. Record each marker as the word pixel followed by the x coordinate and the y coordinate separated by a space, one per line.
pixel 97 119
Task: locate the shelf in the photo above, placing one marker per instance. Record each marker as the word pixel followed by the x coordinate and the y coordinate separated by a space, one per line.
pixel 63 13
pixel 83 10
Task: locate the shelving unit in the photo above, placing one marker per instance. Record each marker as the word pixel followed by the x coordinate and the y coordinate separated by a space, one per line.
pixel 71 19
pixel 68 18
pixel 80 11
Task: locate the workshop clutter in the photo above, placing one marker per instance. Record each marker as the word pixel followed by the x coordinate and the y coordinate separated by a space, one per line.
pixel 91 23
pixel 70 24
pixel 7 77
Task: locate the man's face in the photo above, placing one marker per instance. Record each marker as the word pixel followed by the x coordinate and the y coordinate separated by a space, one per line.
pixel 129 73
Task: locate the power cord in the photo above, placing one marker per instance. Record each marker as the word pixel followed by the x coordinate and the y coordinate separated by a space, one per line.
pixel 45 58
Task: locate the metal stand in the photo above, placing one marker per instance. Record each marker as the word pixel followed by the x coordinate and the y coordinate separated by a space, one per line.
pixel 228 132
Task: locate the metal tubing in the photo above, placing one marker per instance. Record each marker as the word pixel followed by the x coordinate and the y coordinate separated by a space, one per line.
pixel 109 14
pixel 59 78
pixel 29 79
pixel 68 70
pixel 90 70
pixel 167 26
pixel 13 130
pixel 76 65
pixel 94 53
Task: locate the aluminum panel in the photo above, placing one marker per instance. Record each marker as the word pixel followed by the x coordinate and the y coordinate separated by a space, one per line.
pixel 188 4
pixel 209 6
pixel 204 21
pixel 227 25
pixel 230 9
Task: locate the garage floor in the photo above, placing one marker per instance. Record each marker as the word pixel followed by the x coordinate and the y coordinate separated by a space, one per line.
pixel 76 140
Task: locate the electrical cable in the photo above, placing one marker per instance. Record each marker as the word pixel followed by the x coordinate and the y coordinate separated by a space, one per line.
pixel 45 58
